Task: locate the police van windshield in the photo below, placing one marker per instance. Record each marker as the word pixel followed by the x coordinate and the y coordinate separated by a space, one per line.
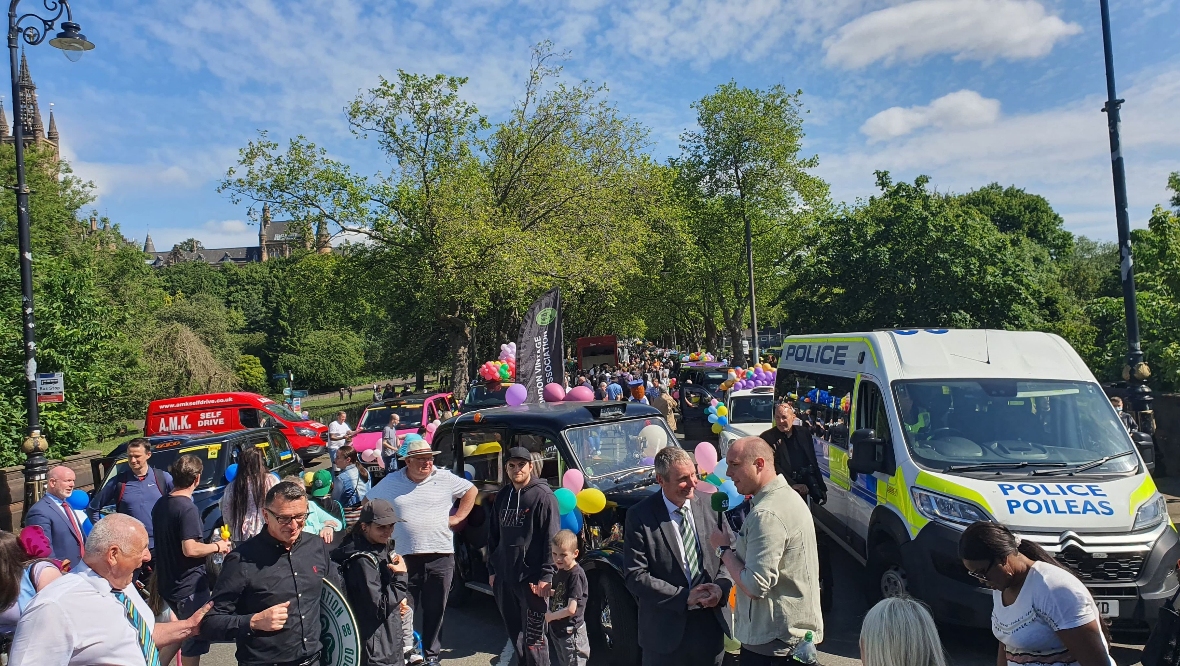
pixel 618 452
pixel 1049 427
pixel 751 408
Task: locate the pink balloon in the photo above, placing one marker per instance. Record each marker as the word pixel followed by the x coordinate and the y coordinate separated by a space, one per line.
pixel 579 394
pixel 369 455
pixel 705 487
pixel 713 402
pixel 573 480
pixel 553 392
pixel 516 394
pixel 430 427
pixel 706 457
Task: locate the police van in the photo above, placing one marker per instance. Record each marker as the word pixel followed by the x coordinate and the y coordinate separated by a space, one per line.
pixel 923 432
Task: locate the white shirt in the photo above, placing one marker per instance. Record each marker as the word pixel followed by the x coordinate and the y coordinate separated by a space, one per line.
pixel 1051 599
pixel 678 543
pixel 337 429
pixel 76 621
pixel 424 509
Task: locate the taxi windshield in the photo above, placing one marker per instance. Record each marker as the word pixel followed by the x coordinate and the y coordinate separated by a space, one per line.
pixel 618 452
pixel 484 396
pixel 751 408
pixel 376 418
pixel 1050 427
pixel 714 379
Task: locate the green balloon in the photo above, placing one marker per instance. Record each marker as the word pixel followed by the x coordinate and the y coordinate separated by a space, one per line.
pixel 566 500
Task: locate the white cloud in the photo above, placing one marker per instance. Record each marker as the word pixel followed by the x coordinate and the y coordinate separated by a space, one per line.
pixel 965 108
pixel 227 227
pixel 970 29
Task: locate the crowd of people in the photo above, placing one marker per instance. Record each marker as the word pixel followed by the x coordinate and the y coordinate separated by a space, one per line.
pixel 145 583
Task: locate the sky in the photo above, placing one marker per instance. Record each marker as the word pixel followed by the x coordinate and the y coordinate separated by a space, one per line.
pixel 968 92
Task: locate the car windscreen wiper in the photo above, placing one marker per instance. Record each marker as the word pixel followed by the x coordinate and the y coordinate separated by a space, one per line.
pixel 1001 465
pixel 632 472
pixel 1084 466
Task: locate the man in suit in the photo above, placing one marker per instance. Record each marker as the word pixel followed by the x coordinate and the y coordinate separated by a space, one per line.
pixel 671 569
pixel 53 515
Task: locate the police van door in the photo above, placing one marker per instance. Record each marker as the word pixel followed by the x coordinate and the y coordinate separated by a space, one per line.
pixel 870 414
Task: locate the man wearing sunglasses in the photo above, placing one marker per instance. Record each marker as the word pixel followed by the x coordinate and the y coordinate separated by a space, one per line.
pixel 267 598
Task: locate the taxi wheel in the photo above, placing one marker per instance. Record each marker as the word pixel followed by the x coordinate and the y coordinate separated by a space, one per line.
pixel 612 620
pixel 460 594
pixel 887 574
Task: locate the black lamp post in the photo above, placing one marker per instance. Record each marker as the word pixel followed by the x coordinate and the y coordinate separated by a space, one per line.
pixel 1136 371
pixel 34 29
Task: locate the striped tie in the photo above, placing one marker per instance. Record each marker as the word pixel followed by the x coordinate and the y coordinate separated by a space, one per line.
pixel 688 538
pixel 151 655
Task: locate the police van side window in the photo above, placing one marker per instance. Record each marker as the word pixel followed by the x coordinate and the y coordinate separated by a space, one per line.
pixel 870 411
pixel 821 401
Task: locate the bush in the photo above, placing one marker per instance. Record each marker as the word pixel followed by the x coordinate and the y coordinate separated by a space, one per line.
pixel 251 375
pixel 325 360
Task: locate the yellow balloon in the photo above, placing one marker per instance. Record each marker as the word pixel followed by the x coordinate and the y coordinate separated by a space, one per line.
pixel 468 450
pixel 591 500
pixel 722 410
pixel 487 448
pixel 716 428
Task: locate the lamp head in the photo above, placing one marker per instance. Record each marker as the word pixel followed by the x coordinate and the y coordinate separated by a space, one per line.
pixel 71 41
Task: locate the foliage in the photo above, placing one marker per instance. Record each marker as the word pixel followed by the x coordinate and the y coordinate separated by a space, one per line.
pixel 325 359
pixel 250 374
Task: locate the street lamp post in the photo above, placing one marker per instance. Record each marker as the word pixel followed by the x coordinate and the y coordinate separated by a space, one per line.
pixel 33 29
pixel 1136 371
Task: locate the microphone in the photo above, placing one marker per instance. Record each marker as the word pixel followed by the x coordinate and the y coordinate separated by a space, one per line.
pixel 719 502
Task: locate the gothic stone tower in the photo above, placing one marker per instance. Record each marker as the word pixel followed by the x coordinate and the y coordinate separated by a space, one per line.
pixel 30 120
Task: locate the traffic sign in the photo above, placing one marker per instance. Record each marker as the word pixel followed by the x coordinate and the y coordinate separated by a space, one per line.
pixel 295 406
pixel 287 391
pixel 299 394
pixel 279 376
pixel 51 397
pixel 50 383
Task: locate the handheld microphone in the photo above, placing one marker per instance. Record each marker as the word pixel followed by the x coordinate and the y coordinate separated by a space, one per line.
pixel 719 502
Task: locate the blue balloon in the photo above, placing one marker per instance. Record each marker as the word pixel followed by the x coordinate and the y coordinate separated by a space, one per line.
pixel 723 420
pixel 78 499
pixel 572 521
pixel 713 418
pixel 467 475
pixel 86 527
pixel 231 472
pixel 735 498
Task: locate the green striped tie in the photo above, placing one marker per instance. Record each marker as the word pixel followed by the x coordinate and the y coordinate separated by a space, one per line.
pixel 688 538
pixel 151 655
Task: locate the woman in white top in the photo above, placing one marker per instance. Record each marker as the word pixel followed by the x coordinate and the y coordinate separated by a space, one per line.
pixel 242 502
pixel 1042 614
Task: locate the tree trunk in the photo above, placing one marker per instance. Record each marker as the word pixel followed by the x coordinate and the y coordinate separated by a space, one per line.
pixel 420 380
pixel 459 336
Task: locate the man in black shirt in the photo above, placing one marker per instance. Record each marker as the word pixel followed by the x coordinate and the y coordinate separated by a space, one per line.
pixel 267 597
pixel 794 454
pixel 180 551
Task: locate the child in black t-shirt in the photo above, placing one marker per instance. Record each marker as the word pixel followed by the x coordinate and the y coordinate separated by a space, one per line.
pixel 567 606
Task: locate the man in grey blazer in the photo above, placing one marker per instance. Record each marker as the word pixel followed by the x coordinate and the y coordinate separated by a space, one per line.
pixel 670 567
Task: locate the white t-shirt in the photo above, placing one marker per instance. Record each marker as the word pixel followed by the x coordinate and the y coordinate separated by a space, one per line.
pixel 76 621
pixel 1050 600
pixel 423 509
pixel 337 430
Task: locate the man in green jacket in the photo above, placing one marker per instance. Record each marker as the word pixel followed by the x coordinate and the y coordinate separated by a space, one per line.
pixel 773 560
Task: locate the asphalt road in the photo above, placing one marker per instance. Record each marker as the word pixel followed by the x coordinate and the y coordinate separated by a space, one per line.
pixel 474 636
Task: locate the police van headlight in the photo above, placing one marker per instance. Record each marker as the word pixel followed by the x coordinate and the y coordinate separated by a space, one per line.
pixel 945 509
pixel 1152 513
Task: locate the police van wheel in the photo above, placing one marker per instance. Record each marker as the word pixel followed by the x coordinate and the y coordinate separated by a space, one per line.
pixel 887 574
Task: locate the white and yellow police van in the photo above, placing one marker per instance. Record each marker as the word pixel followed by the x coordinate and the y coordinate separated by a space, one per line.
pixel 922 432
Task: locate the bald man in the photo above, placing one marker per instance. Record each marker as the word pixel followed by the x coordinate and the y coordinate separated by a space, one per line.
pixel 773 559
pixel 53 515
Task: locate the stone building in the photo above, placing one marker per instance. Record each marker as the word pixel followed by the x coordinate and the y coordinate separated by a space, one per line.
pixel 275 239
pixel 31 127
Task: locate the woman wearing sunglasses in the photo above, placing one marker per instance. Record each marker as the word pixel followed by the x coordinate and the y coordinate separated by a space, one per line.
pixel 1042 614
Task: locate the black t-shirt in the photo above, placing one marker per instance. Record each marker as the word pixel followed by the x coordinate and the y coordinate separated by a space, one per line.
pixel 175 520
pixel 568 585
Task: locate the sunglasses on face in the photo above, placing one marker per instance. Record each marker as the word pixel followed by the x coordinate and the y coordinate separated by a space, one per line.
pixel 981 575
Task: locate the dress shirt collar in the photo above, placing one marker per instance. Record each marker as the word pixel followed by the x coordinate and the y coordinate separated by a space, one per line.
pixel 102 585
pixel 672 508
pixel 267 537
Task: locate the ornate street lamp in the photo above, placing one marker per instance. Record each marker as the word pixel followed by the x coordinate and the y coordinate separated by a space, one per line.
pixel 1135 372
pixel 34 29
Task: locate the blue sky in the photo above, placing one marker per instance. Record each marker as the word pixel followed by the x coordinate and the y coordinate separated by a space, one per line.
pixel 966 91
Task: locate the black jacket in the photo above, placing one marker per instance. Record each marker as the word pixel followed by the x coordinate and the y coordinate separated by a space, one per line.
pixel 654 574
pixel 261 573
pixel 519 536
pixel 374 593
pixel 794 458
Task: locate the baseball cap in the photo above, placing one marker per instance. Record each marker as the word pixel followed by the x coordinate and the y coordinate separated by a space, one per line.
pixel 380 512
pixel 519 452
pixel 321 483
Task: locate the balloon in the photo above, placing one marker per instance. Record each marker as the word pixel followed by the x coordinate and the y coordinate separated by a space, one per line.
pixel 573 480
pixel 714 480
pixel 516 394
pixel 721 468
pixel 231 472
pixel 430 428
pixel 713 418
pixel 566 500
pixel 647 461
pixel 369 455
pixel 722 421
pixel 705 487
pixel 279 478
pixel 572 521
pixel 487 448
pixel 713 402
pixel 580 394
pixel 78 499
pixel 706 456
pixel 722 411
pixel 735 498
pixel 86 527
pixel 716 428
pixel 591 500
pixel 553 392
pixel 654 438
pixel 469 450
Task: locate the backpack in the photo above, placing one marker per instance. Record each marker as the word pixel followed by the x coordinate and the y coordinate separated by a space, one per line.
pixel 159 486
pixel 383 604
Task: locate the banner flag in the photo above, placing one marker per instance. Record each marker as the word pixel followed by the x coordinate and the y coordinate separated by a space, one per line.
pixel 540 352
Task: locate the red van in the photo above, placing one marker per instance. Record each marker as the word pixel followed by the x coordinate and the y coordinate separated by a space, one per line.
pixel 223 412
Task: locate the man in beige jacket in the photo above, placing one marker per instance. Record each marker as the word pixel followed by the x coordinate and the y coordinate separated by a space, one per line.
pixel 773 560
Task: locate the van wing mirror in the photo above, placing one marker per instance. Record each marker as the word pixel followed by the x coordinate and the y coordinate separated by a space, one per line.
pixel 869 454
pixel 1146 446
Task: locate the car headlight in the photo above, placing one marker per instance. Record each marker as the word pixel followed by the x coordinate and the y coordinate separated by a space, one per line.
pixel 947 509
pixel 305 432
pixel 1152 513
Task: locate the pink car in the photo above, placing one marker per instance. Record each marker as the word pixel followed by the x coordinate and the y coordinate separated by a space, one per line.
pixel 414 411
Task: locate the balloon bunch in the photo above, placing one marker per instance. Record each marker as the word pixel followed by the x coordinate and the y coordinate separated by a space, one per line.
pixel 78 501
pixel 819 397
pixel 713 479
pixel 498 371
pixel 699 356
pixel 762 374
pixel 574 501
pixel 718 415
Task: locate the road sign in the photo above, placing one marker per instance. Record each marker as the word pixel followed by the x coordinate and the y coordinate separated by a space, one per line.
pixel 279 376
pixel 51 397
pixel 50 383
pixel 287 391
pixel 295 405
pixel 299 394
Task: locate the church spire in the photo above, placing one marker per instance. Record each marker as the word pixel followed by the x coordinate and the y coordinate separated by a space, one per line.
pixel 3 121
pixel 52 136
pixel 30 120
pixel 148 245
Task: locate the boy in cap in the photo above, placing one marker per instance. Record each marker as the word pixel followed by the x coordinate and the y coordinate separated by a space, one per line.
pixel 375 582
pixel 520 562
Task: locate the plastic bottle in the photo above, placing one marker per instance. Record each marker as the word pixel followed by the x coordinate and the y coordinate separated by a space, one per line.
pixel 804 652
pixel 219 558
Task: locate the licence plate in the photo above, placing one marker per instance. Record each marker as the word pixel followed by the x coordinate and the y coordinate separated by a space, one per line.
pixel 1108 607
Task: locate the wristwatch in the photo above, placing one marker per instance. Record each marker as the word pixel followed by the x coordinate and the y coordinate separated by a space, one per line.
pixel 721 550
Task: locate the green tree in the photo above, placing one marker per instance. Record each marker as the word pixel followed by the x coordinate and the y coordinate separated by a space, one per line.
pixel 1015 211
pixel 741 168
pixel 250 374
pixel 325 359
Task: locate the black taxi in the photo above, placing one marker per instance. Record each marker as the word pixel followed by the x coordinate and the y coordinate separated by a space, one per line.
pixel 612 444
pixel 216 450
